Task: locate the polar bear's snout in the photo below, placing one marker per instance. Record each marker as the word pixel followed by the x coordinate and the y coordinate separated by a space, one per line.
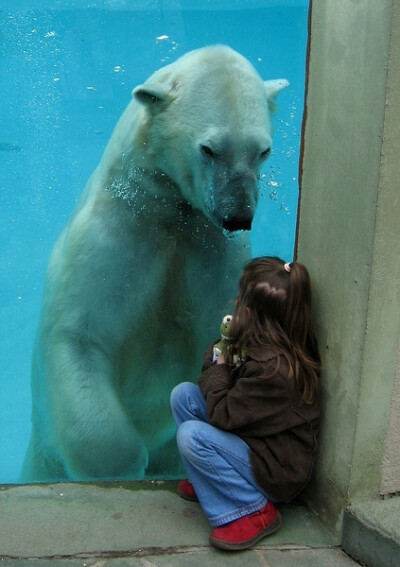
pixel 237 223
pixel 238 201
pixel 238 218
pixel 232 216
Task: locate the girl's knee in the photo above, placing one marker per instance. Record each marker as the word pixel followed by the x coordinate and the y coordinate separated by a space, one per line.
pixel 190 437
pixel 180 394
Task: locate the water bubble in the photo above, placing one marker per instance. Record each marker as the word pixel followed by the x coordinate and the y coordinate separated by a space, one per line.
pixel 231 235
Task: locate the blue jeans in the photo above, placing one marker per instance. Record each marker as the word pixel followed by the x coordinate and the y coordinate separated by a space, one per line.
pixel 217 462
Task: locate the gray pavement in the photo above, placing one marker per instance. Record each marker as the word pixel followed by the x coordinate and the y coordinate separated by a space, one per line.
pixel 204 557
pixel 141 524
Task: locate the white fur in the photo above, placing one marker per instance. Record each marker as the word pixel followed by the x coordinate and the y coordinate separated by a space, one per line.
pixel 138 278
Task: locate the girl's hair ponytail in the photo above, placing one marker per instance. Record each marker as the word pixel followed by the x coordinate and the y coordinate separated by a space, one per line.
pixel 298 304
pixel 298 326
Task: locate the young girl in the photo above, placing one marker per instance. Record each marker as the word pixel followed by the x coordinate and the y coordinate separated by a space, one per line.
pixel 247 434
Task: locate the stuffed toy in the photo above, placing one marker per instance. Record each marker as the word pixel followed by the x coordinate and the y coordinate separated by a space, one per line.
pixel 220 346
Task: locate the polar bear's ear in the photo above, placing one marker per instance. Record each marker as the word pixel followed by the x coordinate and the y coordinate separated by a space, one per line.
pixel 151 93
pixel 274 87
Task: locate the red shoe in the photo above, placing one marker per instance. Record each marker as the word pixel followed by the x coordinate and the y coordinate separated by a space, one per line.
pixel 186 491
pixel 248 530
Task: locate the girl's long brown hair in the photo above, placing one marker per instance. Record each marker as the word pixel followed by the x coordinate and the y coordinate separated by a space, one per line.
pixel 273 310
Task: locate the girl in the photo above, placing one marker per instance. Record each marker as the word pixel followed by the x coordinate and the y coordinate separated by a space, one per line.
pixel 247 433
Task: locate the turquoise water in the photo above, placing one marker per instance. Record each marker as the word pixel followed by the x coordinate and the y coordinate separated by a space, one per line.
pixel 68 72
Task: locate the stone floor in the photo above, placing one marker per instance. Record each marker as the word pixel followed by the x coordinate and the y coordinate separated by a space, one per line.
pixel 71 525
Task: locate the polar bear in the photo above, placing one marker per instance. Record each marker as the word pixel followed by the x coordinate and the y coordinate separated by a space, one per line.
pixel 138 279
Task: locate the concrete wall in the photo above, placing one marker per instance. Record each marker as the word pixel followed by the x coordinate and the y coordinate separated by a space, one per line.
pixel 391 186
pixel 391 460
pixel 348 236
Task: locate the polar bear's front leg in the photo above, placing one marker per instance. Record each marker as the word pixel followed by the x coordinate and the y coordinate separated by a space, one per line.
pixel 93 436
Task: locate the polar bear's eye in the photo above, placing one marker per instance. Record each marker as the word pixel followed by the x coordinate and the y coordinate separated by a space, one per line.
pixel 207 151
pixel 265 153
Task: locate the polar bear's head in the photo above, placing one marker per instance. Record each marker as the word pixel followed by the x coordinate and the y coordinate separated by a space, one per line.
pixel 209 128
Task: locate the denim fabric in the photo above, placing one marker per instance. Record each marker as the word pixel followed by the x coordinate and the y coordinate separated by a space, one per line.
pixel 217 462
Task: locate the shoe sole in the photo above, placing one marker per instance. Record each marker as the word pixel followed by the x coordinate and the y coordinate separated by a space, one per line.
pixel 241 546
pixel 187 497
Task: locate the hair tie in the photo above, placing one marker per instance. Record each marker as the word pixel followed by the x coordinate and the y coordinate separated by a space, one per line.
pixel 288 267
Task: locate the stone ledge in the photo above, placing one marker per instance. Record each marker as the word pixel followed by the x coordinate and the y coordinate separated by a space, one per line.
pixel 371 532
pixel 64 520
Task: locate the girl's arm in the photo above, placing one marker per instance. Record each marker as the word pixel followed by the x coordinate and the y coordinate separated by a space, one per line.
pixel 245 396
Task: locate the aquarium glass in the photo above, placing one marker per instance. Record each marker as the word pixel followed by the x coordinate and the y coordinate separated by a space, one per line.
pixel 68 68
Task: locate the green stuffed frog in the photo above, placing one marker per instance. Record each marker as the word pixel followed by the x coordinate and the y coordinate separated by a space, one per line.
pixel 220 346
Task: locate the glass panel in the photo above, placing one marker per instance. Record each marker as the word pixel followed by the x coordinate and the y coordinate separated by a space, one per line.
pixel 142 277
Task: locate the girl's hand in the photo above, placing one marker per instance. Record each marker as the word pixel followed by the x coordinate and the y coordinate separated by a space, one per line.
pixel 221 359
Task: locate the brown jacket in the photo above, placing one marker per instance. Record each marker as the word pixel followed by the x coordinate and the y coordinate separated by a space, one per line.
pixel 267 414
